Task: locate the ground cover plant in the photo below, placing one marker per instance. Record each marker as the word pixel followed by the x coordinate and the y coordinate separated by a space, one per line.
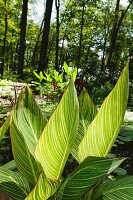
pixel 41 148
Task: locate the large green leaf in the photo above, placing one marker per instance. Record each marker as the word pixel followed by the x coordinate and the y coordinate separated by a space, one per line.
pixel 88 194
pixel 87 108
pixel 87 112
pixel 121 189
pixel 24 160
pixel 4 128
pixel 10 165
pixel 104 129
pixel 43 189
pixel 29 120
pixel 26 127
pixel 13 184
pixel 88 173
pixel 57 139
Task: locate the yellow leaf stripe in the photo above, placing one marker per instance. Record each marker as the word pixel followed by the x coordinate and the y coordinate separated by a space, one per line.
pixel 88 173
pixel 13 184
pixel 43 189
pixel 87 112
pixel 104 129
pixel 59 134
pixel 121 189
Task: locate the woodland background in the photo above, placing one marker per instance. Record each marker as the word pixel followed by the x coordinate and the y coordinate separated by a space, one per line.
pixel 94 36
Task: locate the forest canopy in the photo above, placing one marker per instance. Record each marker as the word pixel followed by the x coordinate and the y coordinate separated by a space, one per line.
pixel 94 36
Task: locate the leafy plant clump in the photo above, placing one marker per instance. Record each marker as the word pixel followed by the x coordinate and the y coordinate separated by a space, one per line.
pixel 53 83
pixel 41 148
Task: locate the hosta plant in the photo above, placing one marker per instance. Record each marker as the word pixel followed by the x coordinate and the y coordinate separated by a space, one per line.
pixel 41 148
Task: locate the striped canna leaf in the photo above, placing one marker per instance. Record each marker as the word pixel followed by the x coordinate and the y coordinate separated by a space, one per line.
pixel 11 165
pixel 87 112
pixel 29 120
pixel 13 184
pixel 25 162
pixel 121 189
pixel 43 189
pixel 87 174
pixel 102 132
pixel 56 141
pixel 4 127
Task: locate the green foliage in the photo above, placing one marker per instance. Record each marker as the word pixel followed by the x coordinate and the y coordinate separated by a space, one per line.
pixel 4 128
pixel 98 21
pixel 53 83
pixel 100 143
pixel 41 148
pixel 10 165
pixel 91 170
pixel 87 112
pixel 10 75
pixel 125 134
pixel 19 185
pixel 117 189
pixel 72 72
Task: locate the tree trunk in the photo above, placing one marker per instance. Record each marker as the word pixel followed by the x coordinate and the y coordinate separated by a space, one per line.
pixel 57 5
pixel 114 34
pixel 36 45
pixel 81 36
pixel 22 44
pixel 51 42
pixel 106 32
pixel 45 36
pixel 4 44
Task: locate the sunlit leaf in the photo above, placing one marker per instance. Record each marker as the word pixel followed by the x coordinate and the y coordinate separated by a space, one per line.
pixel 66 67
pixel 24 160
pixel 41 76
pixel 11 165
pixel 36 75
pixel 102 132
pixel 56 141
pixel 48 77
pixel 73 73
pixel 29 120
pixel 4 127
pixel 43 189
pixel 87 112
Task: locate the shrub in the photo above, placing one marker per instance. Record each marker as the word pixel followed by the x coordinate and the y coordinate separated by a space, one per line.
pixel 41 148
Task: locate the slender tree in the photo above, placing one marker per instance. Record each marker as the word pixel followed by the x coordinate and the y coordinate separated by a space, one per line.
pixel 4 41
pixel 45 36
pixel 114 33
pixel 36 45
pixel 105 34
pixel 57 5
pixel 22 44
pixel 81 34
